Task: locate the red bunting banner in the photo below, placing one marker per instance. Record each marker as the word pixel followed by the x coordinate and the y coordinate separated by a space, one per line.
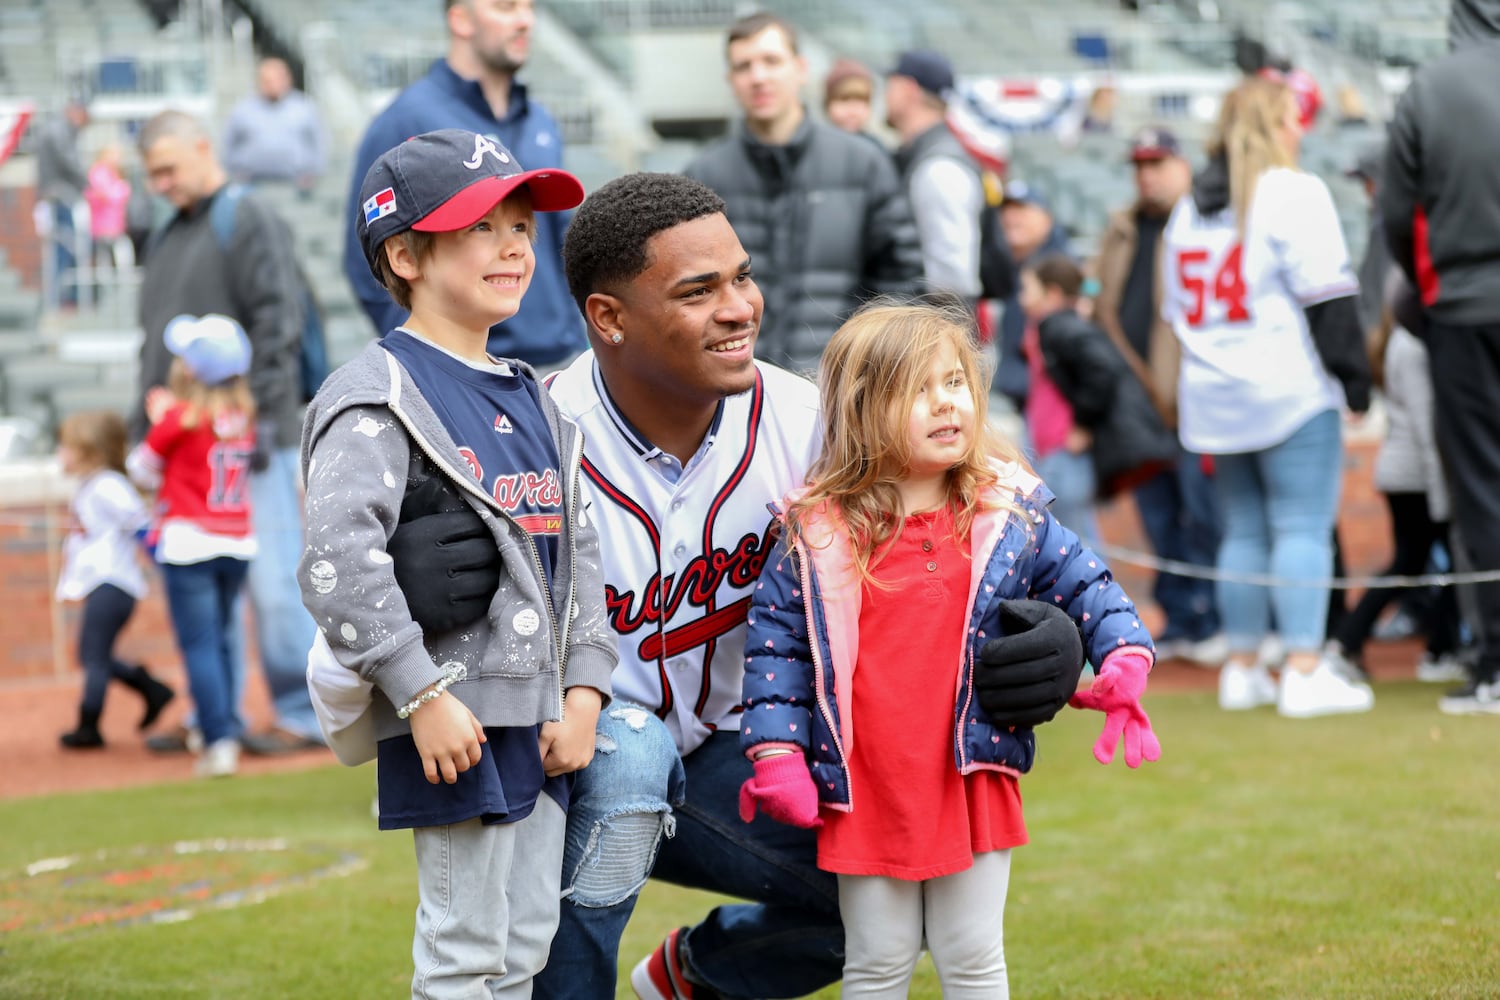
pixel 13 121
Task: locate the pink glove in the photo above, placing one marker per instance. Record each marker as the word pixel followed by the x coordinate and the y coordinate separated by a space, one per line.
pixel 1117 693
pixel 784 788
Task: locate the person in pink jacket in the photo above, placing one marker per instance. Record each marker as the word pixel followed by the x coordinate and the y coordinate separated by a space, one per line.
pixel 107 194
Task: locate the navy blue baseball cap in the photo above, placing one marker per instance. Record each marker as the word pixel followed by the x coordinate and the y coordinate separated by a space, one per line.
pixel 1154 143
pixel 932 71
pixel 445 180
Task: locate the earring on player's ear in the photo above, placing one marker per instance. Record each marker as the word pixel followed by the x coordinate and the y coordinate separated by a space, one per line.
pixel 615 338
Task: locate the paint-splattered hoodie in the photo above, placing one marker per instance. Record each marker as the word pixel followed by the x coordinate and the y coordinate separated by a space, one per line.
pixel 357 444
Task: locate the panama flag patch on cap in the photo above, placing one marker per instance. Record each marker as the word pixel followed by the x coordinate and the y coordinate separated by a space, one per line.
pixel 381 204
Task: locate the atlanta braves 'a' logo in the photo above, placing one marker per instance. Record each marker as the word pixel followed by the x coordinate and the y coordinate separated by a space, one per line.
pixel 484 144
pixel 697 584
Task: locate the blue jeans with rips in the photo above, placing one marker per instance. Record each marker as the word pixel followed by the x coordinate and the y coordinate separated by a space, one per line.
pixel 283 628
pixel 1179 511
pixel 638 811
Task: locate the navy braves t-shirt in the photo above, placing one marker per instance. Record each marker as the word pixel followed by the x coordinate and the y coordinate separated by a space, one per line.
pixel 495 417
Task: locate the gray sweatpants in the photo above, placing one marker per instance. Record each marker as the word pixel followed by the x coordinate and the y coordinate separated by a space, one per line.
pixel 963 915
pixel 487 905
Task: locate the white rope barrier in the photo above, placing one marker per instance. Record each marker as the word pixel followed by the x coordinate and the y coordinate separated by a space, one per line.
pixel 1117 553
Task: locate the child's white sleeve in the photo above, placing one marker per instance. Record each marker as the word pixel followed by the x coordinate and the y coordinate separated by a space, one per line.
pixel 144 466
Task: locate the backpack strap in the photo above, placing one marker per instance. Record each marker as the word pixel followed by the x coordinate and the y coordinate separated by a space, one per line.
pixel 222 212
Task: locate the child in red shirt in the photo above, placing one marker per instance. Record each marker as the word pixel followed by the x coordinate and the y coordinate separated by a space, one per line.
pixel 197 457
pixel 919 537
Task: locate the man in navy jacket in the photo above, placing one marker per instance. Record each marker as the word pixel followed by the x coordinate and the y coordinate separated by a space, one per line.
pixel 474 88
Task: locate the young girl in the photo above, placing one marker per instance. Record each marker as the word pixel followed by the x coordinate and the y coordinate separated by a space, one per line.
pixel 197 456
pixel 101 567
pixel 897 562
pixel 107 194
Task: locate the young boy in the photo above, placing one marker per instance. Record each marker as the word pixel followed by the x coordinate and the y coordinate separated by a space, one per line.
pixel 1112 416
pixel 484 715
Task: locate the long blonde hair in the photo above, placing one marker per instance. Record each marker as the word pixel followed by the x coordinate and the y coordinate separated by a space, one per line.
pixel 1248 136
pixel 228 405
pixel 869 377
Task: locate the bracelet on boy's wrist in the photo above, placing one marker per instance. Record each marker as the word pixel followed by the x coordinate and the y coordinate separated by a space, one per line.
pixel 452 675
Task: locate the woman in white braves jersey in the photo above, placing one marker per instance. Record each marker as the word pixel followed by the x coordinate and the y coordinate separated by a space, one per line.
pixel 1260 293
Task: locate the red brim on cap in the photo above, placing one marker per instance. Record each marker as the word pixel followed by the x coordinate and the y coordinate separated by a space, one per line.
pixel 1147 153
pixel 551 191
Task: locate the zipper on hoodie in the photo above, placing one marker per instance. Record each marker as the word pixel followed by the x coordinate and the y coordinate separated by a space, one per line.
pixel 467 483
pixel 966 663
pixel 575 464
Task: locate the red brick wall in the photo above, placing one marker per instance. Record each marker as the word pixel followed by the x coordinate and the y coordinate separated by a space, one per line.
pixel 36 632
pixel 18 234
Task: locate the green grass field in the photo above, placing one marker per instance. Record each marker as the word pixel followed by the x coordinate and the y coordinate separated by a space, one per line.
pixel 1353 857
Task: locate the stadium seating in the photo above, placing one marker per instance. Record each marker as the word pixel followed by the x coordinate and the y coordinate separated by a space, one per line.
pixel 359 52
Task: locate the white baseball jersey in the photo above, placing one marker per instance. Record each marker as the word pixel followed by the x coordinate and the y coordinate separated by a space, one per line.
pixel 680 559
pixel 1250 373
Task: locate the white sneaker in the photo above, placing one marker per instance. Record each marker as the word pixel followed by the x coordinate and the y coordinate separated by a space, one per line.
pixel 1272 654
pixel 1323 691
pixel 1346 667
pixel 1445 669
pixel 1207 653
pixel 220 759
pixel 1242 688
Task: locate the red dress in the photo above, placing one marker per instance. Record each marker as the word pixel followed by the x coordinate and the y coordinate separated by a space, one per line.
pixel 913 815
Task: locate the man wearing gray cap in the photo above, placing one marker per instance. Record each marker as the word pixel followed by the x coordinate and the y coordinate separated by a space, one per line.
pixel 1179 509
pixel 942 181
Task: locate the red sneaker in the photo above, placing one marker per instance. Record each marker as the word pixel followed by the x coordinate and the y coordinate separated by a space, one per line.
pixel 659 976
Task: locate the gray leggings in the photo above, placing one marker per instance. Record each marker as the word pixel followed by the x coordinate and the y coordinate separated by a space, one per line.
pixel 962 915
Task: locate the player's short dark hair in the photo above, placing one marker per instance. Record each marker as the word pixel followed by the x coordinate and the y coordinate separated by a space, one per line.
pixel 753 24
pixel 605 245
pixel 1059 271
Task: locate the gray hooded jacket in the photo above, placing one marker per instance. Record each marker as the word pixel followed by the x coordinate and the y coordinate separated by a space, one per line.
pixel 356 448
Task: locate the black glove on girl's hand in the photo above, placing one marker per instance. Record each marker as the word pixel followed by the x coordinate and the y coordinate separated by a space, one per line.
pixel 1026 676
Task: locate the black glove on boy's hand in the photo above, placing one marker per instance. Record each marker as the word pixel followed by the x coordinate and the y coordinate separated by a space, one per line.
pixel 444 557
pixel 1026 676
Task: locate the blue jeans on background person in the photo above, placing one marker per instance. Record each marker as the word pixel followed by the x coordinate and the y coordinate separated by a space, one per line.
pixel 283 628
pixel 1279 507
pixel 64 260
pixel 639 810
pixel 203 599
pixel 1179 510
pixel 1070 477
